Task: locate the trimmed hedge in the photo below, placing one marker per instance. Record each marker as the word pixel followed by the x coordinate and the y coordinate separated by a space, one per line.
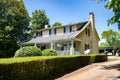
pixel 28 51
pixel 49 52
pixel 45 67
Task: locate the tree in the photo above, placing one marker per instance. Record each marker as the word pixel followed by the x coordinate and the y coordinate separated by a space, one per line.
pixel 117 46
pixel 38 20
pixel 102 44
pixel 110 36
pixel 114 5
pixel 56 24
pixel 14 22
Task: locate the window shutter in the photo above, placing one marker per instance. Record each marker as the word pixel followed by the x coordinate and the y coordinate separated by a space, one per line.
pixel 49 31
pixel 54 31
pixel 70 28
pixel 64 29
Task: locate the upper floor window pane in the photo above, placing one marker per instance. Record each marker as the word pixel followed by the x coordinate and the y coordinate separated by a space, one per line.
pixel 67 29
pixel 87 31
pixel 39 33
pixel 53 31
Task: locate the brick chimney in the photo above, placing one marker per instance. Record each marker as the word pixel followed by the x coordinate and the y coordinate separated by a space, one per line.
pixel 92 21
pixel 91 17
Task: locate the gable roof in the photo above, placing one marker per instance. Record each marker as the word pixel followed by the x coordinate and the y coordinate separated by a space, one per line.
pixel 58 38
pixel 63 26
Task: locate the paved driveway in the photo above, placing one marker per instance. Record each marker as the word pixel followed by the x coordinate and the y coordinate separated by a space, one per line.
pixel 109 70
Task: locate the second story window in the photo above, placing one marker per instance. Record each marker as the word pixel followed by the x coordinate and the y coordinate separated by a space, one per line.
pixel 39 34
pixel 67 29
pixel 52 32
pixel 87 30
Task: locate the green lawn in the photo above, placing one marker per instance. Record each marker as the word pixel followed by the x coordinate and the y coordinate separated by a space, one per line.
pixel 113 59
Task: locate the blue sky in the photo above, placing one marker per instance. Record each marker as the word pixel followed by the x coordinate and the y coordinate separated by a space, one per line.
pixel 73 11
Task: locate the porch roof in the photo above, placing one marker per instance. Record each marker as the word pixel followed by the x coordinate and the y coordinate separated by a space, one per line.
pixel 53 38
pixel 57 38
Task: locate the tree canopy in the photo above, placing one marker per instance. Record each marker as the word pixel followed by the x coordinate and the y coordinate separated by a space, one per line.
pixel 56 24
pixel 39 19
pixel 117 46
pixel 14 22
pixel 110 36
pixel 114 5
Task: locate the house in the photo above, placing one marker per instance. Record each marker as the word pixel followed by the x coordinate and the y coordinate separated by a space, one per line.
pixel 68 39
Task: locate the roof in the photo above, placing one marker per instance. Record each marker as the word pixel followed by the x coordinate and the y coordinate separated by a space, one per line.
pixel 58 38
pixel 61 26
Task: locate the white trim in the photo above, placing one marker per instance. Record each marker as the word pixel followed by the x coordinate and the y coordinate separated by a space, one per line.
pixel 77 39
pixel 52 45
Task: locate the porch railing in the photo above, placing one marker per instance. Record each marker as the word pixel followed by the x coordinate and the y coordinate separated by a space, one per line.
pixel 67 52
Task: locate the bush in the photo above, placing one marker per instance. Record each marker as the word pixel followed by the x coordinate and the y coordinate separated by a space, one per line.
pixel 3 53
pixel 28 51
pixel 49 52
pixel 41 68
pixel 98 58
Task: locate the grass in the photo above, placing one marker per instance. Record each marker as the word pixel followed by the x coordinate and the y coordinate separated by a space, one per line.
pixel 113 59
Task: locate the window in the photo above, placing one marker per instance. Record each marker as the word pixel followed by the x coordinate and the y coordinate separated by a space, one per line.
pixel 87 31
pixel 52 32
pixel 86 46
pixel 39 34
pixel 67 29
pixel 36 34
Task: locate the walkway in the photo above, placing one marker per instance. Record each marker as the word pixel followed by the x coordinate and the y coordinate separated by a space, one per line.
pixel 97 71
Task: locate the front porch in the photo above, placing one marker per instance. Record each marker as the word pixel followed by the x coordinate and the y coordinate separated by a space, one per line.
pixel 70 47
pixel 67 52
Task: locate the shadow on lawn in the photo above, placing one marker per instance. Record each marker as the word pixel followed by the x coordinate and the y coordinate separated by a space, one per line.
pixel 115 66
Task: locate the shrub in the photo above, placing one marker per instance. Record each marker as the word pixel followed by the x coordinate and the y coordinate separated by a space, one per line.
pixel 100 58
pixel 40 68
pixel 3 53
pixel 49 52
pixel 28 51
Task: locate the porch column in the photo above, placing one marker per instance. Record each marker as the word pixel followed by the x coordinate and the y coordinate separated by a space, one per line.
pixel 35 44
pixel 72 51
pixel 52 45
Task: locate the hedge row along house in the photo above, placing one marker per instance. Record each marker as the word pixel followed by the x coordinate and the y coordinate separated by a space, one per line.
pixel 68 39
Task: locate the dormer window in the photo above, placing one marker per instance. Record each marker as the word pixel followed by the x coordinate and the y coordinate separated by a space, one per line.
pixel 39 34
pixel 52 31
pixel 67 29
pixel 87 31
